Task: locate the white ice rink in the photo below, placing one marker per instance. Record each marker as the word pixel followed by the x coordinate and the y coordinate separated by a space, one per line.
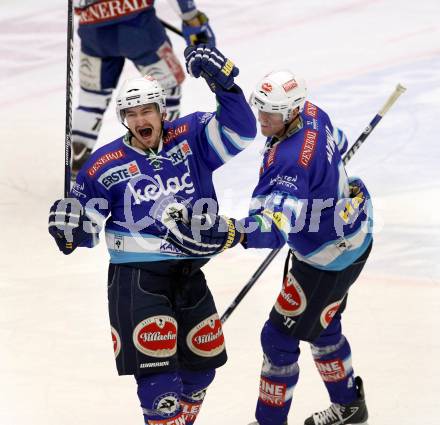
pixel 56 357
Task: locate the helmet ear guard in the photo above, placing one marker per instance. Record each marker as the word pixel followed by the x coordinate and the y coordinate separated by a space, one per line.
pixel 279 92
pixel 137 92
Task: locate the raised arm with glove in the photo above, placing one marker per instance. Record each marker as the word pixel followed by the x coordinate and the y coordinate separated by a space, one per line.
pixel 208 62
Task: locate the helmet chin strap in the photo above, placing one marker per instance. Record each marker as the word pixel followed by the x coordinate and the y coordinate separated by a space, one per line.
pixel 130 133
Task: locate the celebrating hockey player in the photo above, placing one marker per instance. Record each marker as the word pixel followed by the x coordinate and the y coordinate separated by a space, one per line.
pixel 304 198
pixel 112 31
pixel 165 327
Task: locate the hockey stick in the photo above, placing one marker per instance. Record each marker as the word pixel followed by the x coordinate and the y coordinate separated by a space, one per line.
pixel 69 78
pixel 246 288
pixel 356 145
pixel 171 28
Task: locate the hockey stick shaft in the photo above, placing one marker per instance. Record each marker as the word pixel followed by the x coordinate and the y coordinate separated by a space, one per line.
pixel 69 78
pixel 264 265
pixel 399 90
pixel 171 28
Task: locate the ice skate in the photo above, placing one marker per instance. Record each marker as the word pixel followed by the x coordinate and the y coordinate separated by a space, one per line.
pixel 80 154
pixel 343 414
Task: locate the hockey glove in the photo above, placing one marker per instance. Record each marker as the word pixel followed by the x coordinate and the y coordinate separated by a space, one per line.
pixel 208 62
pixel 206 235
pixel 69 225
pixel 198 31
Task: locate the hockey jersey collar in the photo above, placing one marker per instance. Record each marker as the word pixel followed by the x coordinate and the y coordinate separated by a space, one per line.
pixel 295 126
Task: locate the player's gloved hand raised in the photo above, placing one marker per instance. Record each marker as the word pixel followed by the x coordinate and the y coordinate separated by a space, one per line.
pixel 69 225
pixel 198 31
pixel 205 235
pixel 212 65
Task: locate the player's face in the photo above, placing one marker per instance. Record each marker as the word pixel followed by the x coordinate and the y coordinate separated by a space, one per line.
pixel 271 124
pixel 145 122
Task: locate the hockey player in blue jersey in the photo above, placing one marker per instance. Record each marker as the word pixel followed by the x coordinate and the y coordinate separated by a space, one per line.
pixel 165 327
pixel 112 31
pixel 304 198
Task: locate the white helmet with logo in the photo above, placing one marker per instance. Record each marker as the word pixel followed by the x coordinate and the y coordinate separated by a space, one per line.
pixel 139 91
pixel 280 91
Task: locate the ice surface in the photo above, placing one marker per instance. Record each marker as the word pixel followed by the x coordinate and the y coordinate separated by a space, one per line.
pixel 56 359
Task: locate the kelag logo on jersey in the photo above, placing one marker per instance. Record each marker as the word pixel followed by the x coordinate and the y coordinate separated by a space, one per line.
pixel 160 188
pixel 179 153
pixel 119 174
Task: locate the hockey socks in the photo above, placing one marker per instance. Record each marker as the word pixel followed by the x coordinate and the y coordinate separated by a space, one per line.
pixel 279 375
pixel 173 398
pixel 195 384
pixel 332 355
pixel 159 396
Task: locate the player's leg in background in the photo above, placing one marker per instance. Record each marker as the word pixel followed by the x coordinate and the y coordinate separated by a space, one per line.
pixel 164 66
pixel 144 41
pixel 98 78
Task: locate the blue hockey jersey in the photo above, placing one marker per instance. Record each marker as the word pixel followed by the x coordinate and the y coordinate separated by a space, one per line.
pixel 97 13
pixel 305 198
pixel 130 189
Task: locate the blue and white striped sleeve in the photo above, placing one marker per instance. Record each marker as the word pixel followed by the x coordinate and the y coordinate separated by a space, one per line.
pixel 230 130
pixel 340 139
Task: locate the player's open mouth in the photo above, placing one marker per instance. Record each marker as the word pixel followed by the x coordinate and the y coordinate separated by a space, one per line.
pixel 145 132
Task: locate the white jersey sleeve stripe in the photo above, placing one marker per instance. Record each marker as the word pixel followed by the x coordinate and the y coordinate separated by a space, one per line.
pixel 213 134
pixel 331 250
pixel 340 139
pixel 236 140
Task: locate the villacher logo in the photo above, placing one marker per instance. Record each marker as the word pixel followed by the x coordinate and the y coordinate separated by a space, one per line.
pixel 206 339
pixel 156 336
pixel 291 301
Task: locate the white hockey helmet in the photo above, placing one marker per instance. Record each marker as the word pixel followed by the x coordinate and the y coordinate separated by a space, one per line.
pixel 139 91
pixel 280 91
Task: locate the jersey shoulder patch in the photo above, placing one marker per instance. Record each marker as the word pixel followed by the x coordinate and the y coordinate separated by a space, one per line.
pixel 174 130
pixel 311 110
pixel 103 156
